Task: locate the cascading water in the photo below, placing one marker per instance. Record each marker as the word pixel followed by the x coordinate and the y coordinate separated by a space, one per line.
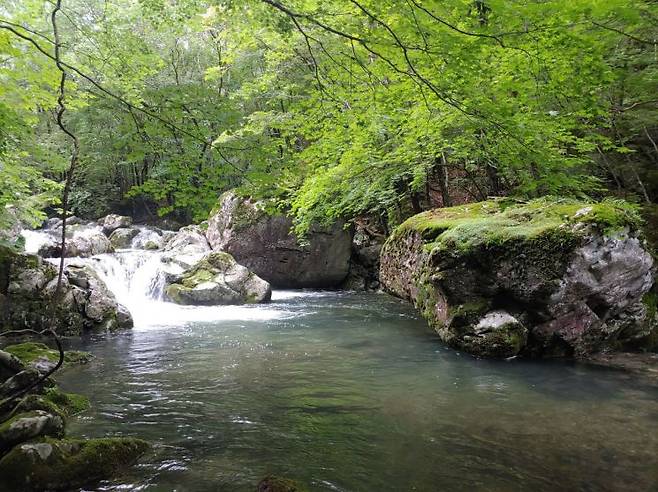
pixel 137 279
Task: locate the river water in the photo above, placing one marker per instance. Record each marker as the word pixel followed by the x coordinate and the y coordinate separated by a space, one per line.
pixel 352 392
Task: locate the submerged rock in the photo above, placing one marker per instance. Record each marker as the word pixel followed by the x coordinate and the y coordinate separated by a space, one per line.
pixel 218 279
pixel 66 464
pixel 265 244
pixel 273 483
pixel 545 278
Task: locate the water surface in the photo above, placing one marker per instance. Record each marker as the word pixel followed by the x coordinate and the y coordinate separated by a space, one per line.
pixel 352 392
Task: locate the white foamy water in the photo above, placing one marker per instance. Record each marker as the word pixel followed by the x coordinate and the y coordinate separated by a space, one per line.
pixel 34 240
pixel 137 280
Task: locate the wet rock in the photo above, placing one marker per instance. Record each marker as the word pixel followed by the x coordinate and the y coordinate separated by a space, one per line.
pixel 10 365
pixel 573 275
pixel 264 244
pixel 96 301
pixel 29 297
pixel 43 358
pixel 149 240
pixel 88 243
pixel 26 426
pixel 68 463
pixel 189 240
pixel 122 238
pixel 113 222
pixel 218 279
pixel 19 381
pixel 367 243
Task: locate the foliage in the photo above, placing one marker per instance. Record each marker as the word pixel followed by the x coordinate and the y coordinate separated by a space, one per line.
pixel 332 109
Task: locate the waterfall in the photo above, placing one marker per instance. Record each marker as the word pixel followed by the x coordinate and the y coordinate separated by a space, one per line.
pixel 137 278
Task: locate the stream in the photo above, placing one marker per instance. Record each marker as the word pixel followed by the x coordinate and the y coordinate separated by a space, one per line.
pixel 346 392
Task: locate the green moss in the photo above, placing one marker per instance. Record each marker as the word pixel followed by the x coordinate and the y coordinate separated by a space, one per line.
pixel 29 352
pixel 39 402
pixel 468 313
pixel 69 403
pixel 52 464
pixel 496 222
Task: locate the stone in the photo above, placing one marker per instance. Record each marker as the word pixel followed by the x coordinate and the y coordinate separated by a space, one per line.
pixel 112 222
pixel 19 381
pixel 189 240
pixel 568 277
pixel 29 298
pixel 29 425
pixel 218 279
pixel 265 245
pixel 122 238
pixel 10 365
pixel 67 464
pixel 149 239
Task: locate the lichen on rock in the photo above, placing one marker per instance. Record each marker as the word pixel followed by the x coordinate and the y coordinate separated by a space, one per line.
pixel 571 274
pixel 218 279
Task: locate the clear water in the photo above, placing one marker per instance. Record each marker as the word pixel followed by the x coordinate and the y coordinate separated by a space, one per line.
pixel 352 392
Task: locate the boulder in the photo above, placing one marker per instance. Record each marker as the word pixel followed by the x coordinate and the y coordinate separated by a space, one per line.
pixel 81 242
pixel 66 464
pixel 148 238
pixel 543 278
pixel 26 426
pixel 218 279
pixel 122 238
pixel 112 222
pixel 29 298
pixel 95 300
pixel 265 244
pixel 367 242
pixel 10 365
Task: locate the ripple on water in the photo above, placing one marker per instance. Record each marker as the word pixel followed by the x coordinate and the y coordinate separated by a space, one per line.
pixel 353 392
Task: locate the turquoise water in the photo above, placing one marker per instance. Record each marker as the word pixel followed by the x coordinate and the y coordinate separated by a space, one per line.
pixel 352 392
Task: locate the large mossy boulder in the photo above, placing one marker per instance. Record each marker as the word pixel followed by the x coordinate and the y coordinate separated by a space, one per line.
pixel 50 464
pixel 29 297
pixel 265 244
pixel 544 278
pixel 218 279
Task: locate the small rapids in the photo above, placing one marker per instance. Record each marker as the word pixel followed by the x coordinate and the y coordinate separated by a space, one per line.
pixel 137 280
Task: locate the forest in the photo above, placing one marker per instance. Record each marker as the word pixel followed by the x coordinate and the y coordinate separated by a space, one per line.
pixel 334 109
pixel 340 245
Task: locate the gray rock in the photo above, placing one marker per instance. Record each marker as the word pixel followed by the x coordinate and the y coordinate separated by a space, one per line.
pixel 26 426
pixel 264 244
pixel 569 283
pixel 88 243
pixel 10 365
pixel 189 240
pixel 217 279
pixel 122 238
pixel 19 381
pixel 113 222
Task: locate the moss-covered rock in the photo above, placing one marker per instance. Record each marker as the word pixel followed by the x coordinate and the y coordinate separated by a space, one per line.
pixel 571 273
pixel 29 425
pixel 50 464
pixel 34 353
pixel 218 279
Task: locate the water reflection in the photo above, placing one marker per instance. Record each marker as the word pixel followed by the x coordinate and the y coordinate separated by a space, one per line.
pixel 352 392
